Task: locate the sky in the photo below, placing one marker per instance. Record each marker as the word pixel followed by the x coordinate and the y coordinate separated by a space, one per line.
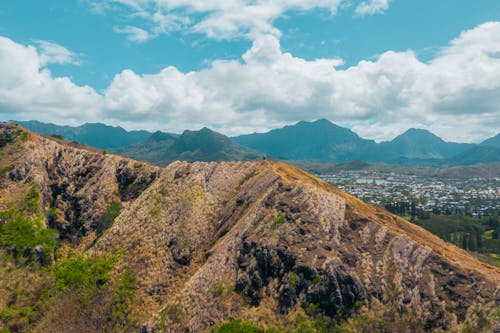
pixel 377 67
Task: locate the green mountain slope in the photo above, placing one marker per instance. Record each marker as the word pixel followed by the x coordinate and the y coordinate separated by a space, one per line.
pixel 318 140
pixel 422 144
pixel 203 145
pixel 493 141
pixel 95 135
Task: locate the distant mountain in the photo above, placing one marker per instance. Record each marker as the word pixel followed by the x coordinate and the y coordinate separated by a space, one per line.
pixel 489 170
pixel 492 142
pixel 422 144
pixel 475 155
pixel 482 170
pixel 318 140
pixel 203 145
pixel 96 134
pixel 322 140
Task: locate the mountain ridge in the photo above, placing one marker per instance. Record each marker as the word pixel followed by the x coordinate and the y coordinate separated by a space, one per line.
pixel 414 147
pixel 93 134
pixel 202 145
pixel 320 140
pixel 210 242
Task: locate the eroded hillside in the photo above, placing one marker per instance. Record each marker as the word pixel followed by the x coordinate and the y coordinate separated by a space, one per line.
pixel 201 244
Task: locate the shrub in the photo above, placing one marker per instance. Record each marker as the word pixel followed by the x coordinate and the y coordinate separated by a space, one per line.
pixel 19 233
pixel 109 217
pixel 31 203
pixel 83 273
pixel 238 326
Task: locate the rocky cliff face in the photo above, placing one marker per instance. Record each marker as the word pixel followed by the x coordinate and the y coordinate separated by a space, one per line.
pixel 261 241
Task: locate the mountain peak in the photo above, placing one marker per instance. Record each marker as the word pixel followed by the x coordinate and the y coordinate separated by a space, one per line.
pixel 418 133
pixel 161 136
pixel 323 121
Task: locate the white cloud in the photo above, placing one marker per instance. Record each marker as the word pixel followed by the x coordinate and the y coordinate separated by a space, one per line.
pixel 372 7
pixel 52 53
pixel 135 34
pixel 28 90
pixel 216 19
pixel 456 95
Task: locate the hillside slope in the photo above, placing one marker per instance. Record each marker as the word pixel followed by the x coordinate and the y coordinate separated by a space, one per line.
pixel 196 245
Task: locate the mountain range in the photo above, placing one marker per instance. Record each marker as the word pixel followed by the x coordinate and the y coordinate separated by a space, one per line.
pixel 322 140
pixel 93 134
pixel 319 140
pixel 204 145
pixel 95 242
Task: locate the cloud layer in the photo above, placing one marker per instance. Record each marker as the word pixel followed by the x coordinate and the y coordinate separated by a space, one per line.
pixel 456 95
pixel 216 19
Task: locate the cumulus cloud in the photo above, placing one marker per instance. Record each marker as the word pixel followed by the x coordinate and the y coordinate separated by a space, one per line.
pixel 28 89
pixel 372 7
pixel 456 95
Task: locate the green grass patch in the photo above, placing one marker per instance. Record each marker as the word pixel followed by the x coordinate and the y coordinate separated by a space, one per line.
pixel 19 235
pixel 238 326
pixel 83 273
pixel 220 290
pixel 109 216
pixel 31 203
pixel 277 222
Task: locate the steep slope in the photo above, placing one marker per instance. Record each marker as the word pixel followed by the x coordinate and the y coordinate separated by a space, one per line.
pixel 203 145
pixel 318 140
pixel 75 184
pixel 493 141
pixel 200 244
pixel 422 144
pixel 95 135
pixel 283 241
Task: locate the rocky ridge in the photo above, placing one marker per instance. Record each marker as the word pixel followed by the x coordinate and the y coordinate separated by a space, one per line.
pixel 262 241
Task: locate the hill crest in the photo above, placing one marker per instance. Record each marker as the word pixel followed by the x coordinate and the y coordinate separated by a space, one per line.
pixel 276 240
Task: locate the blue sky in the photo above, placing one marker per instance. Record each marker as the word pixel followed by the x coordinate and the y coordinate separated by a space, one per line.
pixel 154 64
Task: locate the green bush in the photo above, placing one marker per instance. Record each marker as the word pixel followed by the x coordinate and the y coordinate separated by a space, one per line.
pixel 31 203
pixel 123 297
pixel 83 273
pixel 19 233
pixel 109 217
pixel 238 326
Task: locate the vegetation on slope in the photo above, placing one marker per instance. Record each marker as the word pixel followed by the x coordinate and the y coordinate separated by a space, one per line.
pixel 43 289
